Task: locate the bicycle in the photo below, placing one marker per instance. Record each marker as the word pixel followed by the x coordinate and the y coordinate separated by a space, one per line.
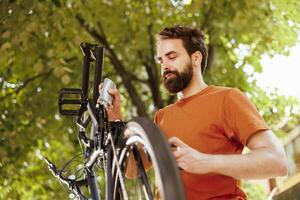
pixel 134 156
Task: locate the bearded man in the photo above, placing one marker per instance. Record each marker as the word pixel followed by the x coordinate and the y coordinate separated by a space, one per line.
pixel 210 125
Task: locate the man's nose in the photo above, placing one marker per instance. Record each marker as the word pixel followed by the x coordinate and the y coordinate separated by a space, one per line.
pixel 165 66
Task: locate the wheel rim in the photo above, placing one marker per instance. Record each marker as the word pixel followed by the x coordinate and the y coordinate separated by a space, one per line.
pixel 136 135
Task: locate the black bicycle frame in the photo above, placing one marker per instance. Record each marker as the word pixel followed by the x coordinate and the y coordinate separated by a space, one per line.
pixel 102 145
pixel 98 116
pixel 92 53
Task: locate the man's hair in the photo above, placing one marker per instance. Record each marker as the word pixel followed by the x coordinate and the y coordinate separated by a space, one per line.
pixel 192 39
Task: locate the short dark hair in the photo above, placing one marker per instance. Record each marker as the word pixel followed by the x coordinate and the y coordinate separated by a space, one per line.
pixel 192 38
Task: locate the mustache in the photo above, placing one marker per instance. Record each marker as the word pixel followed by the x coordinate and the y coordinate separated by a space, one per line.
pixel 169 72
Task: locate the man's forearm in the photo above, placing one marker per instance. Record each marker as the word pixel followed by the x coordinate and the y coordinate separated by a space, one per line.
pixel 267 159
pixel 257 164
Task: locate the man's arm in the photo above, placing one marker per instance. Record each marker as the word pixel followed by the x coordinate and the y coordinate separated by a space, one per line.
pixel 266 159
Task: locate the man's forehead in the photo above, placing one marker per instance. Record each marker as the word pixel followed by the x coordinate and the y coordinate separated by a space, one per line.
pixel 165 46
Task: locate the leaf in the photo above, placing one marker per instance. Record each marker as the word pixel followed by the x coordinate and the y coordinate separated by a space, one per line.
pixel 6 34
pixel 6 46
pixel 65 79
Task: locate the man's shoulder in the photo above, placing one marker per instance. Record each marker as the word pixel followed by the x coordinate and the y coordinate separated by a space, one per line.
pixel 227 91
pixel 160 112
pixel 220 89
pixel 168 107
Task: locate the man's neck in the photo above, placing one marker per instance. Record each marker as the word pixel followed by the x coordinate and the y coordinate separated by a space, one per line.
pixel 194 87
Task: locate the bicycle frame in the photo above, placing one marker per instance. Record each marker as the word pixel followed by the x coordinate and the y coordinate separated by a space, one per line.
pixel 103 145
pixel 94 147
pixel 97 52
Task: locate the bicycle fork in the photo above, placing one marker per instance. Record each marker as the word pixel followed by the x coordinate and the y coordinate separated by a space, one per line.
pixel 91 179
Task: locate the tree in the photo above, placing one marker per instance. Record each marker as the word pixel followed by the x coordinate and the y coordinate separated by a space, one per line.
pixel 39 48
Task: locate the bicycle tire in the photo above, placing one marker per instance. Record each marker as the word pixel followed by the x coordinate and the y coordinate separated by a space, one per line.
pixel 143 134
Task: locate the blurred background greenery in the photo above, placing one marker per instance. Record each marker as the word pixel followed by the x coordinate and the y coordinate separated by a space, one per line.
pixel 39 54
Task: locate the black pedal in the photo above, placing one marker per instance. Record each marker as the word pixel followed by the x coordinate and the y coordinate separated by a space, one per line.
pixel 70 101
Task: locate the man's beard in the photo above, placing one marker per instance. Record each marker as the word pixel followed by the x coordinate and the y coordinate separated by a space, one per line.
pixel 178 80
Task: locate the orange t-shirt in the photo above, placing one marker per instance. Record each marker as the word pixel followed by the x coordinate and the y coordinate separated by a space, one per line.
pixel 216 120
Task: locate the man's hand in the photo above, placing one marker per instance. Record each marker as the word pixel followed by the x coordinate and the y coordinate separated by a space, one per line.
pixel 265 160
pixel 189 159
pixel 114 111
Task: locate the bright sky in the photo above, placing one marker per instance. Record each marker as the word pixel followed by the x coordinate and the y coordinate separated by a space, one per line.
pixel 282 72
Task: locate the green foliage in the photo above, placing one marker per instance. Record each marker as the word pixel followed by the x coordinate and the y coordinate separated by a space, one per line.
pixel 254 191
pixel 39 48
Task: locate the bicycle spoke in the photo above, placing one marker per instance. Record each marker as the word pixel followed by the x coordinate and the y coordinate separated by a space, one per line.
pixel 119 172
pixel 142 172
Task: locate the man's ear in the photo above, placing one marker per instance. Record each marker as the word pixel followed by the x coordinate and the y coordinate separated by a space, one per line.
pixel 196 58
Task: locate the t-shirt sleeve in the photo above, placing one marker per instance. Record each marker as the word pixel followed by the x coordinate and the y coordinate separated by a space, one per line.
pixel 157 117
pixel 241 116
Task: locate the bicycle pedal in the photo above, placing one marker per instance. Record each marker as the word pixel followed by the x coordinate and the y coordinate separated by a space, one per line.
pixel 70 101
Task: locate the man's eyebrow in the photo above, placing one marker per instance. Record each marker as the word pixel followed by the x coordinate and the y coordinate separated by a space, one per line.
pixel 166 54
pixel 170 52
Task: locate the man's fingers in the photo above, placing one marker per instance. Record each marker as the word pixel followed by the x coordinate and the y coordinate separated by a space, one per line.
pixel 182 165
pixel 110 108
pixel 113 91
pixel 177 154
pixel 180 152
pixel 184 158
pixel 100 86
pixel 177 142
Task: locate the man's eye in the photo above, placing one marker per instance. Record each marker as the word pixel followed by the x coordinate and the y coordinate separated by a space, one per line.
pixel 172 57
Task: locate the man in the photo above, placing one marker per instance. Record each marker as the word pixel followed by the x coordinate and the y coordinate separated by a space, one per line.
pixel 209 125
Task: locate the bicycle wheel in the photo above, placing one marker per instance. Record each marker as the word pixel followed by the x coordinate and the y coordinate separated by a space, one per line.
pixel 145 167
